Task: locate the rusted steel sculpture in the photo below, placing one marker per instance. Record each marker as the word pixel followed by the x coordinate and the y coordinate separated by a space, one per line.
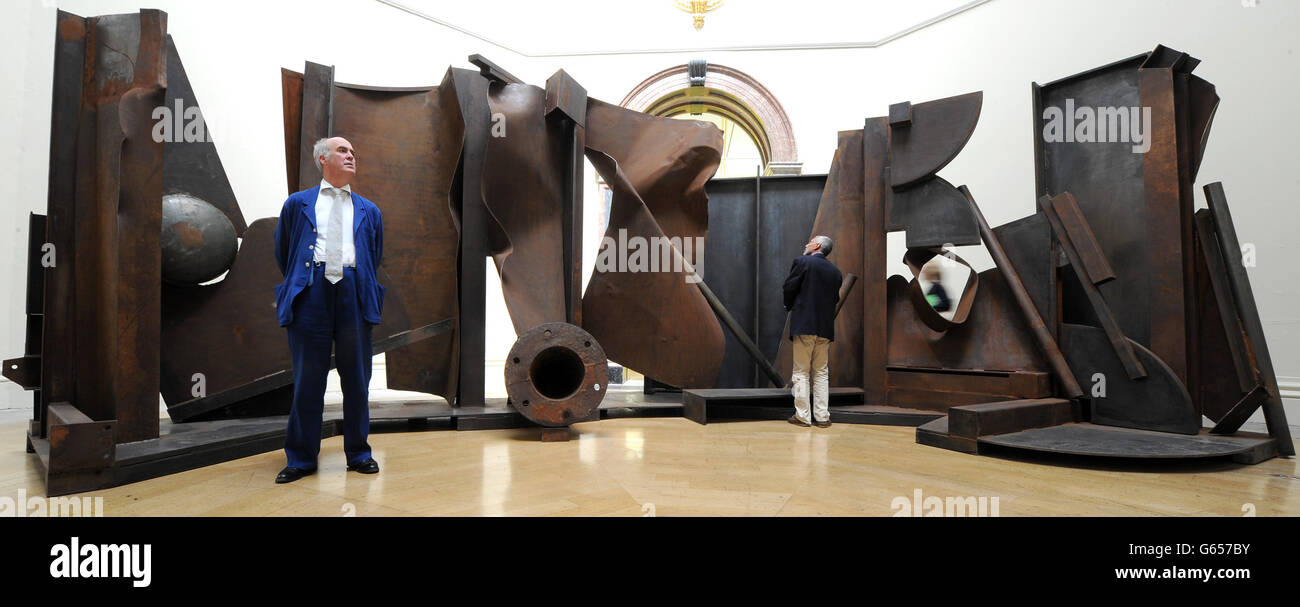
pixel 883 179
pixel 96 368
pixel 414 138
pixel 759 222
pixel 656 322
pixel 1245 336
pixel 140 215
pixel 1155 304
pixel 520 194
pixel 1114 277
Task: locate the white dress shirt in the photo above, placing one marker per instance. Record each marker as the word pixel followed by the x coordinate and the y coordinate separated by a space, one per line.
pixel 324 203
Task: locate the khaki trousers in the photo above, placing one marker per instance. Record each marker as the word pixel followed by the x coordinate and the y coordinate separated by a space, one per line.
pixel 811 353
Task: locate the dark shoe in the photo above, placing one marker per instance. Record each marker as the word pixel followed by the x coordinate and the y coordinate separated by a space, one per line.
pixel 795 420
pixel 289 475
pixel 825 424
pixel 370 466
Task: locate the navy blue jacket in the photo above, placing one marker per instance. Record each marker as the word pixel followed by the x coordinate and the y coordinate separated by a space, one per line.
pixel 811 292
pixel 296 232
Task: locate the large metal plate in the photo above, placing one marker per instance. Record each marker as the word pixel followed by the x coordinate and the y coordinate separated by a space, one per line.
pixel 995 336
pixel 1028 245
pixel 229 333
pixel 1157 402
pixel 1103 441
pixel 745 265
pixel 840 216
pixel 523 189
pixel 1131 200
pixel 657 323
pixel 938 131
pixel 193 166
pixel 408 143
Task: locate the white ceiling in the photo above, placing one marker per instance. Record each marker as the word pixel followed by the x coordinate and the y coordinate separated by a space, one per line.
pixel 604 27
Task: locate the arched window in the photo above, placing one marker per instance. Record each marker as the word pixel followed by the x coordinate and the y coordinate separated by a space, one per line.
pixel 756 130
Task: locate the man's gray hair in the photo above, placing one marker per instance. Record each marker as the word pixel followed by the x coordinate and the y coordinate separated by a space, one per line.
pixel 825 243
pixel 322 148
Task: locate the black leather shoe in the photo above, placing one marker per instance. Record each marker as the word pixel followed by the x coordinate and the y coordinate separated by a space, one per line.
pixel 370 466
pixel 289 475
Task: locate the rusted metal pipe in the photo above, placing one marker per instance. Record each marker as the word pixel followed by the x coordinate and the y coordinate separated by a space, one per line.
pixel 1036 325
pixel 734 327
pixel 556 374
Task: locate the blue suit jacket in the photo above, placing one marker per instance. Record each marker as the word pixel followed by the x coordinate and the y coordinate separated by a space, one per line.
pixel 811 291
pixel 296 231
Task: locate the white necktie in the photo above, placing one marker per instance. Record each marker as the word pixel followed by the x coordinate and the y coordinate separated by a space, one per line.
pixel 334 240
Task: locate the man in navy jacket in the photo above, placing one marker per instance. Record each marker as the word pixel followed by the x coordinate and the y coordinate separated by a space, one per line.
pixel 329 242
pixel 811 292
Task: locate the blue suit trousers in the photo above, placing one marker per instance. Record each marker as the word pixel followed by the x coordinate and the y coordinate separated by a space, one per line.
pixel 325 315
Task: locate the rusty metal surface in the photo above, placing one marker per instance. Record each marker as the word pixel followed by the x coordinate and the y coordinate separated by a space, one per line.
pixel 743 262
pixel 60 288
pixel 655 322
pixel 934 135
pixel 1168 216
pixel 479 232
pixel 198 240
pixel 556 374
pixel 874 328
pixel 995 337
pixel 1222 343
pixel 291 83
pixel 110 229
pixel 1136 203
pixel 565 95
pixel 934 214
pixel 840 216
pixel 244 363
pixel 1028 247
pixel 409 143
pixel 1158 401
pixel 1076 228
pixel 1041 271
pixel 234 320
pixel 883 179
pixel 1100 308
pixel 1104 441
pixel 1219 306
pixel 524 190
pixel 729 268
pixel 989 419
pixel 942 389
pixel 1240 411
pixel 666 161
pixel 191 165
pixel 1203 102
pixel 315 114
pixel 92 344
pixel 1248 312
pixel 738 332
pixel 566 104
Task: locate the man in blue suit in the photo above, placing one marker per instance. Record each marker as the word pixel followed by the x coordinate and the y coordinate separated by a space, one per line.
pixel 811 291
pixel 329 243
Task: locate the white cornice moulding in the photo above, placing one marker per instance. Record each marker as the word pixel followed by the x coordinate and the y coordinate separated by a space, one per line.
pixel 800 46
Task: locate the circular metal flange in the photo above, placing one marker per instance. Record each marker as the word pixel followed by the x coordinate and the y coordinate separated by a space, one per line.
pixel 556 374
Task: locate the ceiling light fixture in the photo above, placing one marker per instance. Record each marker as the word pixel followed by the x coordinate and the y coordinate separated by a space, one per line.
pixel 698 8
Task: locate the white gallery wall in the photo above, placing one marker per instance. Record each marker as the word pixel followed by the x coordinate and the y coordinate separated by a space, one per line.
pixel 233 52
